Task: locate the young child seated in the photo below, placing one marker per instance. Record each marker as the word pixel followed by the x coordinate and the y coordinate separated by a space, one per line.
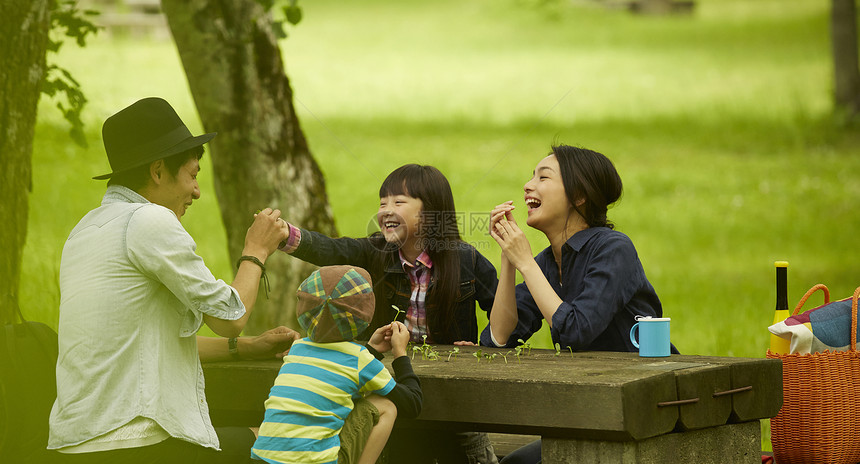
pixel 326 375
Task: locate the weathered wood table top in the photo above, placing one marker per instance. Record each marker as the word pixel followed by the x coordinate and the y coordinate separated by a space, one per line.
pixel 587 395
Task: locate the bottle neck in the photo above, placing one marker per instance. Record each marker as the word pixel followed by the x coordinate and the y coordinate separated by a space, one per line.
pixel 781 288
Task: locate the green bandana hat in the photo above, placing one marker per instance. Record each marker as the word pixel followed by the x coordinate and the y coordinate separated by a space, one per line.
pixel 335 303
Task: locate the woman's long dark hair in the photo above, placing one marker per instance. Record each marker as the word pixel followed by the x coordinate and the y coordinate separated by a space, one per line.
pixel 441 236
pixel 589 175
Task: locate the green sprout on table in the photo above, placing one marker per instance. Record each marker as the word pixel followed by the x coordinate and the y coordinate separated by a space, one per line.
pixel 491 357
pixel 517 352
pixel 525 346
pixel 558 350
pixel 397 314
pixel 427 351
pixel 478 354
pixel 453 352
pixel 505 356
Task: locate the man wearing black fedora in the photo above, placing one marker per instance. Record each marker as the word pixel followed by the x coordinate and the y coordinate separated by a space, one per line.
pixel 134 294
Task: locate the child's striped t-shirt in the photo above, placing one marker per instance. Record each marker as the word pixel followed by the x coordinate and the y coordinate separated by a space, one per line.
pixel 312 395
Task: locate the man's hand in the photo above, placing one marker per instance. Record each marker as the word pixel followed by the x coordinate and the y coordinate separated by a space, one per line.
pixel 265 234
pixel 273 343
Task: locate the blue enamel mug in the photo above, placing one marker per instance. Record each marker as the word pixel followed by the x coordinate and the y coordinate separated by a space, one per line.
pixel 653 339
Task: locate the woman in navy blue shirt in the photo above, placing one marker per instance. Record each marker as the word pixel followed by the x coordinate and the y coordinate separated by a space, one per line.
pixel 588 285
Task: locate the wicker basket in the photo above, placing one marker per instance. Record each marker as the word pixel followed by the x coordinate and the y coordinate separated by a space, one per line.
pixel 820 417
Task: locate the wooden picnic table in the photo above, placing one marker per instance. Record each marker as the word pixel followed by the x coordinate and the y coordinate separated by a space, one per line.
pixel 586 406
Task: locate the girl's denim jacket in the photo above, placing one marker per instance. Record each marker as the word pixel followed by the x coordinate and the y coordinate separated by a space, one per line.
pixel 391 284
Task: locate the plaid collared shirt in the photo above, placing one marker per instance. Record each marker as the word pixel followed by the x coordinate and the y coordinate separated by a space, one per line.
pixel 420 273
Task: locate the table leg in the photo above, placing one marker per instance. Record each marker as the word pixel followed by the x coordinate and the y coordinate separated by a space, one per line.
pixel 726 444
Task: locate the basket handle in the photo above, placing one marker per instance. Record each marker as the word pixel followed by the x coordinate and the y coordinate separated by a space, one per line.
pixel 809 293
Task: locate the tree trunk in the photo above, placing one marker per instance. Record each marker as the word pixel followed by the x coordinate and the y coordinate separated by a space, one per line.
pixel 260 156
pixel 843 33
pixel 24 26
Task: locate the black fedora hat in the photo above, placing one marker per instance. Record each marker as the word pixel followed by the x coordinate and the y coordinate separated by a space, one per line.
pixel 144 132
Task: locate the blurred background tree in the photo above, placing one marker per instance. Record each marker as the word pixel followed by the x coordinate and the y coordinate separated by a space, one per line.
pixel 24 28
pixel 260 157
pixel 25 74
pixel 236 75
pixel 846 82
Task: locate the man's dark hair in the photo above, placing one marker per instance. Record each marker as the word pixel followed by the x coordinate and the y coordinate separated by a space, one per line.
pixel 136 178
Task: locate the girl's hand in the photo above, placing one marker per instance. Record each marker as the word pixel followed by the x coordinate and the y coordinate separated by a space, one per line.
pixel 399 339
pixel 381 339
pixel 515 247
pixel 465 343
pixel 500 212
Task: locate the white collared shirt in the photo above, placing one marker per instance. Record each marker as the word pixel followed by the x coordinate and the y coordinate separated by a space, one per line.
pixel 133 294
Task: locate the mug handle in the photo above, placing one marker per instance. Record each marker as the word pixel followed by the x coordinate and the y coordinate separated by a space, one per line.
pixel 632 338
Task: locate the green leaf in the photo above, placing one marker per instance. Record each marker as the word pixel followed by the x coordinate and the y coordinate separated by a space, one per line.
pixel 293 14
pixel 278 30
pixel 266 4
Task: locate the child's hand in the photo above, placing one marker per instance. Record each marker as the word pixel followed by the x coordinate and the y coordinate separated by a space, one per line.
pixel 399 339
pixel 381 339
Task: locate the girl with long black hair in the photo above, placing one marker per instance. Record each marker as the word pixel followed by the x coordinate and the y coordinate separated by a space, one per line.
pixel 420 266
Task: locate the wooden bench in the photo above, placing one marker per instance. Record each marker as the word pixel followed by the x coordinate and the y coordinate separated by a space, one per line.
pixel 587 407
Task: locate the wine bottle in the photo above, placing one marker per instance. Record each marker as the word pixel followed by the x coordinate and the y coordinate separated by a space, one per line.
pixel 778 344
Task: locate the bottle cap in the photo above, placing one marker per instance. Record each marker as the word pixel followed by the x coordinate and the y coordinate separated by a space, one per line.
pixel 780 263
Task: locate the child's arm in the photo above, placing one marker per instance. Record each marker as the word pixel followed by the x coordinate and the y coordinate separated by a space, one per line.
pixel 406 395
pixel 322 250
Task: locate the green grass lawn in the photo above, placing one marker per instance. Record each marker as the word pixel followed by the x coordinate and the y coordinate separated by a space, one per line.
pixel 719 123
